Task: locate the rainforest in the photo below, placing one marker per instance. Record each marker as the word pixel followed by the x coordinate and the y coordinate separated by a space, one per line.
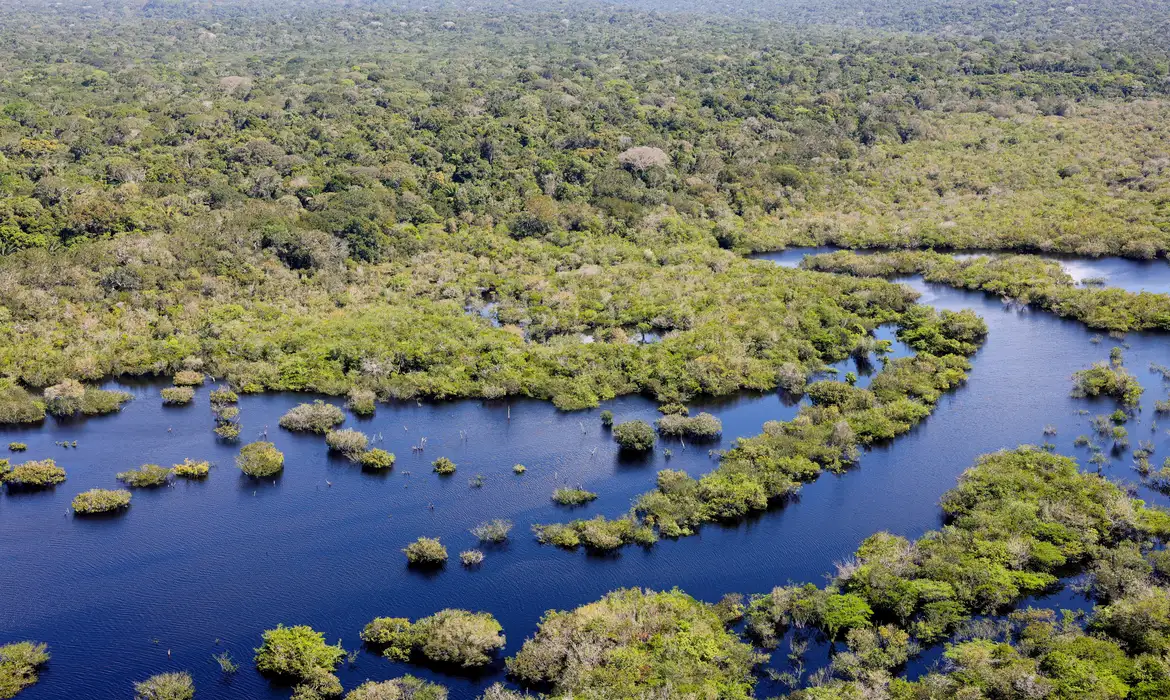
pixel 647 349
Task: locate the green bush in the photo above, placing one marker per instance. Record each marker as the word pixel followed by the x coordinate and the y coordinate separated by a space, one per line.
pixel 260 459
pixel 97 501
pixel 641 644
pixel 455 637
pixel 377 459
pixel 34 475
pixel 188 378
pixel 177 395
pixel 351 443
pixel 495 531
pixel 64 398
pixel 19 664
pixel 426 551
pixel 192 469
pixel 223 396
pixel 362 401
pixel 97 402
pixel 599 533
pixel 166 686
pixel 146 476
pixel 443 466
pixel 300 653
pixel 405 688
pixel 471 557
pixel 635 435
pixel 607 418
pixel 572 497
pixel 701 427
pixel 1105 380
pixel 18 405
pixel 17 447
pixel 316 417
pixel 228 431
pixel 519 469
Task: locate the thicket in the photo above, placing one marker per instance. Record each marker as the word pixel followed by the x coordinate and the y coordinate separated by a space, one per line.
pixel 404 688
pixel 260 459
pixel 37 474
pixel 635 435
pixel 426 551
pixel 96 501
pixel 192 469
pixel 166 686
pixel 146 476
pixel 19 666
pixel 300 654
pixel 455 637
pixel 316 417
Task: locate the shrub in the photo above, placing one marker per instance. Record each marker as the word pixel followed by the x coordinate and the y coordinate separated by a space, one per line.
pixel 19 664
pixel 426 551
pixel 405 688
pixel 362 402
pixel 99 402
pixel 260 459
pixel 455 637
pixel 146 476
pixel 701 427
pixel 443 466
pixel 598 533
pixel 519 469
pixel 166 686
pixel 64 399
pixel 300 653
pixel 607 418
pixel 177 395
pixel 1102 379
pixel 223 396
pixel 316 417
pixel 17 446
pixel 471 557
pixel 493 531
pixel 100 501
pixel 191 469
pixel 635 435
pixel 572 497
pixel 228 431
pixel 638 629
pixel 18 405
pixel 34 475
pixel 188 378
pixel 351 443
pixel 377 459
pixel 224 413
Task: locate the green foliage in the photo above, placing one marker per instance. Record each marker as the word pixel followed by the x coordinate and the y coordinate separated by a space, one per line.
pixel 572 497
pixel 71 397
pixel 362 401
pixel 351 443
pixel 146 476
pixel 260 460
pixel 642 643
pixel 188 378
pixel 19 664
pixel 404 688
pixel 443 466
pixel 1106 380
pixel 376 458
pixel 17 447
pixel 166 686
pixel 471 557
pixel 635 435
pixel 495 531
pixel 316 417
pixel 300 653
pixel 599 533
pixel 426 551
pixel 454 637
pixel 37 474
pixel 223 396
pixel 607 418
pixel 97 501
pixel 701 427
pixel 177 395
pixel 519 469
pixel 18 405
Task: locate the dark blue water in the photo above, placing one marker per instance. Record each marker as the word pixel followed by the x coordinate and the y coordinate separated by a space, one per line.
pixel 200 568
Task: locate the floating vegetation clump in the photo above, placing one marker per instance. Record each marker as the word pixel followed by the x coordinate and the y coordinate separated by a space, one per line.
pixel 97 501
pixel 316 417
pixel 146 476
pixel 426 551
pixel 260 459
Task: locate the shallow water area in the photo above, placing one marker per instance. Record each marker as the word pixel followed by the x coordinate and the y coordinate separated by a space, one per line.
pixel 203 567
